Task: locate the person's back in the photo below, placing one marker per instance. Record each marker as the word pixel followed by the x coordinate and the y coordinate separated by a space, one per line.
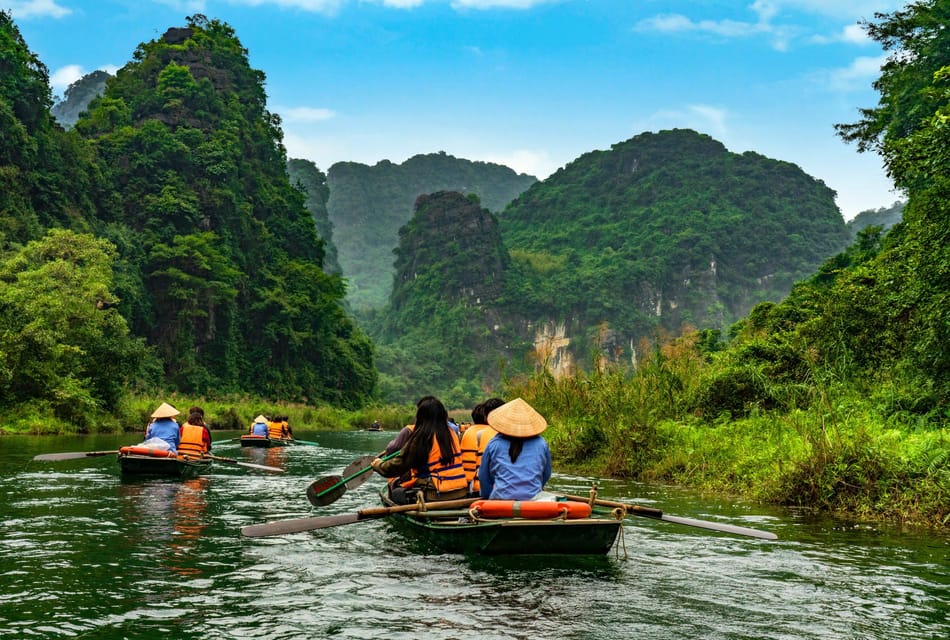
pixel 474 440
pixel 164 427
pixel 431 458
pixel 195 438
pixel 259 427
pixel 517 462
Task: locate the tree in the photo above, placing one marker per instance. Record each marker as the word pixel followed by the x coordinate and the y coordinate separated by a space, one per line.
pixel 59 349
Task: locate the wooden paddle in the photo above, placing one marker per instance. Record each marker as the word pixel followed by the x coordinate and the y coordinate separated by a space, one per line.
pixel 329 489
pixel 323 522
pixel 75 455
pixel 656 514
pixel 249 465
pixel 310 442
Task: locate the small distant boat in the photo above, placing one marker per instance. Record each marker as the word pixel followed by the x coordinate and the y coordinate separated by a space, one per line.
pixel 147 462
pixel 554 533
pixel 265 442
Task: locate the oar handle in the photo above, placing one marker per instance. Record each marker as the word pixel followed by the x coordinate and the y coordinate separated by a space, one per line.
pixel 649 512
pixel 378 512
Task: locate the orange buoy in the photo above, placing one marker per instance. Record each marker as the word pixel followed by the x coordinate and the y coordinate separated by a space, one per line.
pixel 531 509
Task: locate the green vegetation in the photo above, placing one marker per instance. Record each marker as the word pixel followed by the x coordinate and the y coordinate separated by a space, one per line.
pixel 666 229
pixel 368 205
pixel 440 332
pixel 186 231
pixel 835 398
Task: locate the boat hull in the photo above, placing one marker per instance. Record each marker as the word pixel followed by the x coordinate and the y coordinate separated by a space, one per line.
pixel 510 536
pixel 133 465
pixel 264 442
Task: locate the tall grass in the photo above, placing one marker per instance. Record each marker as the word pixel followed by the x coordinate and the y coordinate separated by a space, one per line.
pixel 839 451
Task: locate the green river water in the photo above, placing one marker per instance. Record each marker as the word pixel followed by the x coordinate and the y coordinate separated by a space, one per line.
pixel 84 554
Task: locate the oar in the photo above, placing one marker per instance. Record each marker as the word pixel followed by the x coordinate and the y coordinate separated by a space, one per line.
pixel 310 442
pixel 249 465
pixel 323 522
pixel 75 455
pixel 656 514
pixel 329 489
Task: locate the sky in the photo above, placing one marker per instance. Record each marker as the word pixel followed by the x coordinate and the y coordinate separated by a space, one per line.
pixel 531 84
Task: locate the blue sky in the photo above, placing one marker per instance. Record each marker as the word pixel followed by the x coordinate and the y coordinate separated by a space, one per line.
pixel 531 84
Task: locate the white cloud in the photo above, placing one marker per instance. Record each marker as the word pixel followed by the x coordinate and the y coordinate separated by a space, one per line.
pixel 858 75
pixel 850 34
pixel 304 114
pixel 535 163
pixel 37 9
pixel 672 23
pixel 60 79
pixel 700 117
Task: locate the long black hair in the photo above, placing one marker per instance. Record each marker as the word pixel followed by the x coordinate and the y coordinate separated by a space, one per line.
pixel 432 421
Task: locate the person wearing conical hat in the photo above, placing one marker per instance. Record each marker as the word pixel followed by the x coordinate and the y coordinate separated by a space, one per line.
pixel 259 426
pixel 517 461
pixel 164 427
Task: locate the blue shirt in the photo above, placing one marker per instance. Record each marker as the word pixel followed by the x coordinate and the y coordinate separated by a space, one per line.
pixel 166 429
pixel 502 479
pixel 259 429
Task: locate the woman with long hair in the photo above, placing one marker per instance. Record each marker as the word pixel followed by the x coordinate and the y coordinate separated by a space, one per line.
pixel 430 460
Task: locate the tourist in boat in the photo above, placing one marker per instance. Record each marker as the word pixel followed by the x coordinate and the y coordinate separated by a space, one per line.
pixel 164 427
pixel 517 461
pixel 431 459
pixel 275 428
pixel 259 426
pixel 195 437
pixel 285 427
pixel 474 440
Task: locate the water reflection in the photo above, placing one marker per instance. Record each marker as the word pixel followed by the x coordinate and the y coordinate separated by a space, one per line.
pixel 169 517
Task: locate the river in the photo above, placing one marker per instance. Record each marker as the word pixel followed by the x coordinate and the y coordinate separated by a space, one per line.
pixel 84 554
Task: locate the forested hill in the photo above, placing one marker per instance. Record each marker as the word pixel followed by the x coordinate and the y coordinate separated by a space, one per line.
pixel 305 175
pixel 78 96
pixel 193 241
pixel 368 205
pixel 442 330
pixel 884 217
pixel 667 229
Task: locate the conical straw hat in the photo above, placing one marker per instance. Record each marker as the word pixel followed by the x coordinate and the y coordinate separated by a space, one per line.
pixel 260 418
pixel 518 419
pixel 165 411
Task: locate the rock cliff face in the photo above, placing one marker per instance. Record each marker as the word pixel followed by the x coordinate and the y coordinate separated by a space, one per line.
pixel 662 231
pixel 369 204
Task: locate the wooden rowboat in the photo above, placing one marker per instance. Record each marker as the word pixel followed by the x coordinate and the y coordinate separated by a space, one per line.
pixel 138 464
pixel 265 442
pixel 456 531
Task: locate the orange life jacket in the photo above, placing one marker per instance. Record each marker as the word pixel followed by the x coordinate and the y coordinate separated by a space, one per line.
pixel 442 477
pixel 275 429
pixel 192 441
pixel 473 448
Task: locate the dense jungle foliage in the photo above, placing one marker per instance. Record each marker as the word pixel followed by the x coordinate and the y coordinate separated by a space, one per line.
pixel 442 330
pixel 884 217
pixel 204 251
pixel 312 182
pixel 836 398
pixel 666 229
pixel 368 206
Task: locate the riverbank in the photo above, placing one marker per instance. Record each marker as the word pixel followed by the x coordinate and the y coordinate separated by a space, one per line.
pixel 225 413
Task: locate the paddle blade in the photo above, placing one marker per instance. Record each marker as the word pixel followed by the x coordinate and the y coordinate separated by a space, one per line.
pixel 262 467
pixel 282 527
pixel 74 455
pixel 719 526
pixel 326 490
pixel 355 471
